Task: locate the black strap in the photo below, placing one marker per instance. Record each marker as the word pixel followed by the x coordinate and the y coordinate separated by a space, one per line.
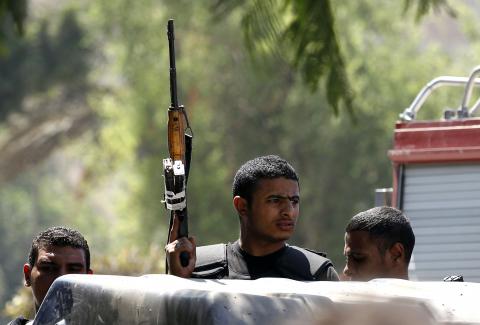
pixel 188 154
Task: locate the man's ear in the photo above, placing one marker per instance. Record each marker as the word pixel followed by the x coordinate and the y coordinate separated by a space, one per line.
pixel 397 253
pixel 27 270
pixel 240 205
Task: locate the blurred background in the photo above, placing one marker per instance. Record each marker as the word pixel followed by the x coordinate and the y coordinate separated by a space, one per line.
pixel 84 93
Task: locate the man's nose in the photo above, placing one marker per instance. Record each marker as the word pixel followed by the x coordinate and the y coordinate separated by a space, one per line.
pixel 288 208
pixel 62 271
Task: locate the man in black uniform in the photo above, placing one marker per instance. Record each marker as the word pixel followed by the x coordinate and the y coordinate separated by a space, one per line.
pixel 55 252
pixel 266 197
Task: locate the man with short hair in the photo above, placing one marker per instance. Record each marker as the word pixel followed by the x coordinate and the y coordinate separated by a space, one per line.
pixel 378 244
pixel 266 197
pixel 54 252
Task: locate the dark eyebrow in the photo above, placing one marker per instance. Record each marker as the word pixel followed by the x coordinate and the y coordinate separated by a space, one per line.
pixel 278 196
pixel 76 264
pixel 45 261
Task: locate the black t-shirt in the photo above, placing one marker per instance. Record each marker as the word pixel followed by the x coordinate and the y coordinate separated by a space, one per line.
pixel 231 262
pixel 253 267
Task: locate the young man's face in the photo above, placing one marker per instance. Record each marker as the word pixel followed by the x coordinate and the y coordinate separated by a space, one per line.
pixel 52 262
pixel 273 210
pixel 364 260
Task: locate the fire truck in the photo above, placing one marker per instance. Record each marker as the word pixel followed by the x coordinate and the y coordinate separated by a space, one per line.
pixel 436 182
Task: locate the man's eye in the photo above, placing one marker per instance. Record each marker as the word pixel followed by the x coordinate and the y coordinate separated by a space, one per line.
pixel 47 268
pixel 76 269
pixel 358 259
pixel 274 200
pixel 354 259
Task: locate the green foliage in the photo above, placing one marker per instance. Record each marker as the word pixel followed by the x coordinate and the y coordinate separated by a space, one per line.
pixel 12 14
pixel 304 34
pixel 316 50
pixel 425 6
pixel 132 261
pixel 20 304
pixel 55 56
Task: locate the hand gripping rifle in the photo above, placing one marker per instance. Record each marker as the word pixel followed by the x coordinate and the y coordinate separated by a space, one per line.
pixel 177 166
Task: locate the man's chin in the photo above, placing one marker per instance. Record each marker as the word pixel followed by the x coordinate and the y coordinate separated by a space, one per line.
pixel 283 237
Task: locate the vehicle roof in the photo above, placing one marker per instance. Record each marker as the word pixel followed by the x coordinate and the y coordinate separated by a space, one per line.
pixel 165 299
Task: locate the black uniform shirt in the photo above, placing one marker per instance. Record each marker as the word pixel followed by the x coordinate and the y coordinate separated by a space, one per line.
pixel 231 262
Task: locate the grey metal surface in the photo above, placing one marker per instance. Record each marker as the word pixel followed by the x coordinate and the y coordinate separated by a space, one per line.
pixel 469 90
pixel 443 204
pixel 164 299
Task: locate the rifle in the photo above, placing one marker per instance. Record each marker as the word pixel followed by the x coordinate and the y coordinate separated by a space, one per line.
pixel 176 168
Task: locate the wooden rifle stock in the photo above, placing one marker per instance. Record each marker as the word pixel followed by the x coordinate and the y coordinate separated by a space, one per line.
pixel 176 133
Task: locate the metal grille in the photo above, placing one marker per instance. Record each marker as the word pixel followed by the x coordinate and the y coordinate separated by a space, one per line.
pixel 443 204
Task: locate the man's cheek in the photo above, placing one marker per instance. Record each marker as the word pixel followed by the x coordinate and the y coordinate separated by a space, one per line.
pixel 45 281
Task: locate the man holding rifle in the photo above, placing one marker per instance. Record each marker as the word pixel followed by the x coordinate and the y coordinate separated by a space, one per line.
pixel 266 197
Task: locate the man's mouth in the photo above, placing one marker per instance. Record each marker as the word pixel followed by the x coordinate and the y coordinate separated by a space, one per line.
pixel 285 225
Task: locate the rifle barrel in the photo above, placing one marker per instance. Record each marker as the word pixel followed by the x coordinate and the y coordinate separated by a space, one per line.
pixel 173 69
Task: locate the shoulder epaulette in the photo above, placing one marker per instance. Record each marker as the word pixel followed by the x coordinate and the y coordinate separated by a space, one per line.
pixel 211 262
pixel 319 264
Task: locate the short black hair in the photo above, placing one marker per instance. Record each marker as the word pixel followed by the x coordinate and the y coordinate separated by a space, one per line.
pixel 61 237
pixel 387 224
pixel 264 167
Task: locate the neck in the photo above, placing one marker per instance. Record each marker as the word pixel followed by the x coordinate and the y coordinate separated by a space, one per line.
pixel 259 247
pixel 400 274
pixel 404 275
